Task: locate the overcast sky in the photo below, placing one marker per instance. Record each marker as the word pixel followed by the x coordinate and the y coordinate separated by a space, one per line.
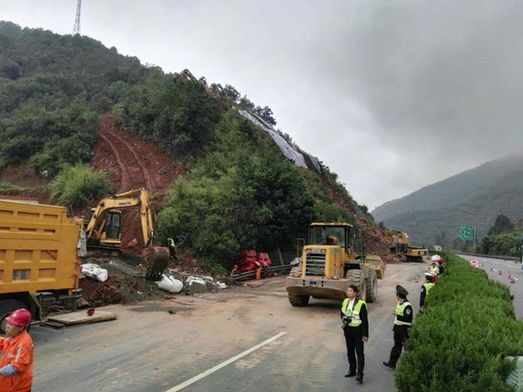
pixel 391 95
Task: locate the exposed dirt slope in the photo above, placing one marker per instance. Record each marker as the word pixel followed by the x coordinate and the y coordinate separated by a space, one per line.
pixel 133 163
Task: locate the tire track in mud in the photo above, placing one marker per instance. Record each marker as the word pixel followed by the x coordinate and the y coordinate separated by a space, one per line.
pixel 146 176
pixel 124 176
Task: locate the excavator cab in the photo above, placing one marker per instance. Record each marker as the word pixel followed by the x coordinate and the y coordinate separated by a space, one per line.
pixel 112 227
pixel 103 228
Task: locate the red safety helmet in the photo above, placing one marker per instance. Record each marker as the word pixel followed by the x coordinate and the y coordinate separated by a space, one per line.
pixel 21 317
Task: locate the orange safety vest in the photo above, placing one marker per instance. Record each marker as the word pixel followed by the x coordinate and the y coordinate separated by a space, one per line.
pixel 17 351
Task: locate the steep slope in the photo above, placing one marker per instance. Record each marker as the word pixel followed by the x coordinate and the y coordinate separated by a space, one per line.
pixel 474 197
pixel 68 99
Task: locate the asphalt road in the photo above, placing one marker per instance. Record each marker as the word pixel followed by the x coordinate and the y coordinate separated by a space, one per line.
pixel 240 339
pixel 493 268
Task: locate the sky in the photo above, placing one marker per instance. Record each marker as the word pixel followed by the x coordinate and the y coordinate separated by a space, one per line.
pixel 390 95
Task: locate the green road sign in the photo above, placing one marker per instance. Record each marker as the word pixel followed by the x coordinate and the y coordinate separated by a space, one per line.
pixel 466 233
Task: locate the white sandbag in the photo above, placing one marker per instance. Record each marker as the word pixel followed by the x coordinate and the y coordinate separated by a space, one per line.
pixel 95 271
pixel 169 284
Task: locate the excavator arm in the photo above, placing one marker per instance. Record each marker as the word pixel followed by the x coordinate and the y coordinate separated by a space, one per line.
pixel 95 226
pixel 156 258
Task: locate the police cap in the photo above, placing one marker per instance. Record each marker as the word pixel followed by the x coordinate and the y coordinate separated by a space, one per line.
pixel 400 290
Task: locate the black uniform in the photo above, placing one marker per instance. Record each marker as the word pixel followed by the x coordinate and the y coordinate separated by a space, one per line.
pixel 354 342
pixel 401 334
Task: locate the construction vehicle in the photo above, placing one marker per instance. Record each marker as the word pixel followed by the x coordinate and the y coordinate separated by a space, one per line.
pixel 38 257
pixel 103 228
pixel 329 264
pixel 401 245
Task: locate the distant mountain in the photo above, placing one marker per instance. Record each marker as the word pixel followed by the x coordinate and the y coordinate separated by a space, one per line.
pixel 474 197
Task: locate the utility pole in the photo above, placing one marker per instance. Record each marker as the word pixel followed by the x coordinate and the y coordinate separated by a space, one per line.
pixel 76 28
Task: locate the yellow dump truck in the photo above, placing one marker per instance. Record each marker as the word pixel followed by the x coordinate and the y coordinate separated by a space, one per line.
pixel 38 257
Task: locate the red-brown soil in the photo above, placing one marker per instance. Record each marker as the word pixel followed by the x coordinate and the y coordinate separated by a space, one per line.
pixel 131 164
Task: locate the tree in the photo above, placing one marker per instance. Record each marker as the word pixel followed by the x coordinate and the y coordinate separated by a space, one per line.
pixel 502 225
pixel 232 93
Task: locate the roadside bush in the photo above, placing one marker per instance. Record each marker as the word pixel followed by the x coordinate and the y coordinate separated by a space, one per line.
pixel 7 186
pixel 79 184
pixel 459 340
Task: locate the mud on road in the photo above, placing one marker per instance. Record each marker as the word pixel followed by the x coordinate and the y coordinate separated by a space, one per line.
pixel 155 346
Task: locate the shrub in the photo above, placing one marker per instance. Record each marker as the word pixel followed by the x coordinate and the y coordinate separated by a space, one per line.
pixel 7 186
pixel 79 184
pixel 459 340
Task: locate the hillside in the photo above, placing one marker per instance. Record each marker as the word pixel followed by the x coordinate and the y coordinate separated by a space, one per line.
pixel 220 172
pixel 474 197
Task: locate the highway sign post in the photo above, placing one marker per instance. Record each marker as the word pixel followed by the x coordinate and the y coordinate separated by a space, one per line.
pixel 467 233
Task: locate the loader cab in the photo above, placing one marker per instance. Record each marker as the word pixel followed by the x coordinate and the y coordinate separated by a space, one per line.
pixel 335 234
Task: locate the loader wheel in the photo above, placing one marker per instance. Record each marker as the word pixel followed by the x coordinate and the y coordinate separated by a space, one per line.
pixel 7 307
pixel 372 286
pixel 298 300
pixel 355 277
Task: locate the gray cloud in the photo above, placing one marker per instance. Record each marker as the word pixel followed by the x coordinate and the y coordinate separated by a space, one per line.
pixel 390 95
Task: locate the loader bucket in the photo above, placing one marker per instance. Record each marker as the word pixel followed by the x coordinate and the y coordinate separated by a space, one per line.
pixel 156 261
pixel 376 263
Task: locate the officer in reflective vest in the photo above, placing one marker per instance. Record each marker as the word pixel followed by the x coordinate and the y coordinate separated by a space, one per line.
pixel 402 322
pixel 355 326
pixel 425 288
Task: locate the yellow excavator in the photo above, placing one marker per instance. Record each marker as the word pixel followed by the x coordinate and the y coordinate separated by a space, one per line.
pixel 401 245
pixel 103 228
pixel 329 264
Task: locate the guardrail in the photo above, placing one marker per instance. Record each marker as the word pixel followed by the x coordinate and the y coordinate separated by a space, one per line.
pixel 265 271
pixel 486 256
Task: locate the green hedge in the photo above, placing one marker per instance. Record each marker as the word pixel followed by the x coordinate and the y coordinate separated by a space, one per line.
pixel 458 342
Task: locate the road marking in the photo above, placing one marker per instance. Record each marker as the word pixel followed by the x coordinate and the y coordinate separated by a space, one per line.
pixel 206 373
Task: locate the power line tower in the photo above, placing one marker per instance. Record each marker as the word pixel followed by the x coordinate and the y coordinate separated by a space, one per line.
pixel 76 28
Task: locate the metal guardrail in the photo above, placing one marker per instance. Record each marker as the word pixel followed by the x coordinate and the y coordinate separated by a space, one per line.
pixel 252 274
pixel 486 256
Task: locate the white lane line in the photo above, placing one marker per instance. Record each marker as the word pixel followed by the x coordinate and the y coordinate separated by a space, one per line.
pixel 206 373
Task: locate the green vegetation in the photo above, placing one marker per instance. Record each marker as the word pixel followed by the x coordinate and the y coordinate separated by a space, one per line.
pixel 52 89
pixel 475 197
pixel 507 244
pixel 459 340
pixel 77 185
pixel 6 186
pixel 239 190
pixel 235 199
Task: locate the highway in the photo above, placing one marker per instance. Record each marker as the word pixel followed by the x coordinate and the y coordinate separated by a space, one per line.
pixel 494 266
pixel 239 339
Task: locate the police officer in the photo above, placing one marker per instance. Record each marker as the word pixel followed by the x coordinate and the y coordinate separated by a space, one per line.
pixel 356 330
pixel 402 323
pixel 425 288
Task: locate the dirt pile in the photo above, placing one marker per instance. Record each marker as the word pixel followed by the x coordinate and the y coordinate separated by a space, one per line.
pixel 126 282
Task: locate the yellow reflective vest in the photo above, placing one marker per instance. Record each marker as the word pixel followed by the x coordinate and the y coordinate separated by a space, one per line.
pixel 354 313
pixel 400 310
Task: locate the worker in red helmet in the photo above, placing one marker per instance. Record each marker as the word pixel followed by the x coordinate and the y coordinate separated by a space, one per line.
pixel 16 362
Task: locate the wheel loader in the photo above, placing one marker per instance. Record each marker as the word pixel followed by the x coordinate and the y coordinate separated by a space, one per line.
pixel 329 264
pixel 103 229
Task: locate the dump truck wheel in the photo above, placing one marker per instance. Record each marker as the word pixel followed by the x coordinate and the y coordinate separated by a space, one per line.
pixel 355 277
pixel 7 307
pixel 298 300
pixel 372 286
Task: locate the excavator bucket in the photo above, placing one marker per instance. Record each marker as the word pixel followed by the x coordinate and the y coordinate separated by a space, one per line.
pixel 156 261
pixel 376 263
